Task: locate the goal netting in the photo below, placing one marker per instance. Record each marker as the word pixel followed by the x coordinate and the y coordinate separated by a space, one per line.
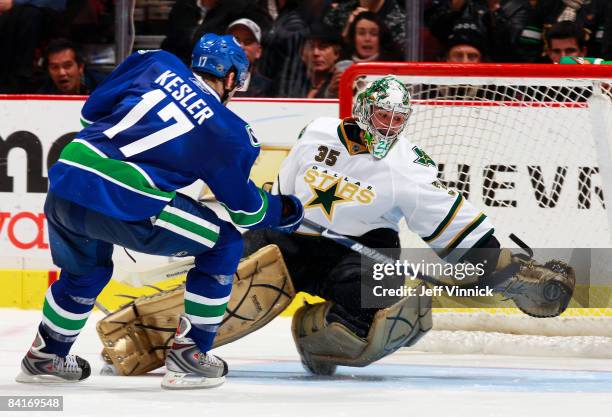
pixel 530 146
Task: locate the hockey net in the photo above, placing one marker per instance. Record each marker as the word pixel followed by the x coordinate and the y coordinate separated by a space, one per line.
pixel 530 146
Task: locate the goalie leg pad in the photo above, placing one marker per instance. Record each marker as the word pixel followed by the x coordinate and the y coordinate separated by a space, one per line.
pixel 323 345
pixel 137 336
pixel 262 289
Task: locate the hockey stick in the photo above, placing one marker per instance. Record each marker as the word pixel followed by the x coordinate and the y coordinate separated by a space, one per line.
pixel 175 269
pixel 161 273
pixel 178 268
pixel 348 242
pixel 495 280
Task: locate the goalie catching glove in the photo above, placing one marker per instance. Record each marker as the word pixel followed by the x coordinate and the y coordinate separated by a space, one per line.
pixel 537 290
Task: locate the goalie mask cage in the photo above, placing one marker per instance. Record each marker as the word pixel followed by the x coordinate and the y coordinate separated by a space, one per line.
pixel 530 146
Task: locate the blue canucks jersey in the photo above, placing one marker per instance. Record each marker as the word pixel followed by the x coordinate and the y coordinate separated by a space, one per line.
pixel 151 128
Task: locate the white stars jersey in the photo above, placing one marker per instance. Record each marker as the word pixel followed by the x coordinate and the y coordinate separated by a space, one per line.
pixel 345 189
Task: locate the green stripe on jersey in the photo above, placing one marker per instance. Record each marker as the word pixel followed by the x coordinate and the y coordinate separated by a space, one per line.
pixel 124 174
pixel 463 234
pixel 449 217
pixel 60 321
pixel 202 310
pixel 242 218
pixel 190 226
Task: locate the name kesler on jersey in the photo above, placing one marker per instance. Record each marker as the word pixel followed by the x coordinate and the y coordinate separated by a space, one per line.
pixel 330 188
pixel 184 95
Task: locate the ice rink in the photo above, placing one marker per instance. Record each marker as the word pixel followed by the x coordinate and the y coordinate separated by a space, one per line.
pixel 266 379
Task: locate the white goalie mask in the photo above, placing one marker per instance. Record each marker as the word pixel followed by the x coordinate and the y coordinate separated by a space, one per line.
pixel 382 110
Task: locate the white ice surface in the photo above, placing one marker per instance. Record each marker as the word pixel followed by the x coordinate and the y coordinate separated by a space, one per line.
pixel 266 379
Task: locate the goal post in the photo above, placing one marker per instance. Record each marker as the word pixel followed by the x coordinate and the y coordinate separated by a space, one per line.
pixel 530 145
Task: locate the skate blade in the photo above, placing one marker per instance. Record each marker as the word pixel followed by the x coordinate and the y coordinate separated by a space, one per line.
pixel 43 379
pixel 179 380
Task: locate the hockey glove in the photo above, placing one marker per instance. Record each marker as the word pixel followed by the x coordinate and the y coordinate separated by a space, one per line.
pixel 292 214
pixel 538 290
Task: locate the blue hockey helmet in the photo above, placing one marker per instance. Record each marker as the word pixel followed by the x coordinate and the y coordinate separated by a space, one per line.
pixel 218 54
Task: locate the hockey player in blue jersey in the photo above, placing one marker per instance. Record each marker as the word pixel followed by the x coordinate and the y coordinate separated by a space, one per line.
pixel 154 126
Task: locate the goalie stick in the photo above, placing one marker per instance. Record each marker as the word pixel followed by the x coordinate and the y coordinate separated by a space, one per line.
pixel 496 280
pixel 175 269
pixel 178 268
pixel 157 274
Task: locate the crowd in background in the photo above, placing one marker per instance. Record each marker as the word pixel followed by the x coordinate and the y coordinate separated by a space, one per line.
pixel 300 48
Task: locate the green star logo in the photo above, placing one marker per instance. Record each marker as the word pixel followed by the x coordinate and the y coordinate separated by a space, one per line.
pixel 326 199
pixel 422 157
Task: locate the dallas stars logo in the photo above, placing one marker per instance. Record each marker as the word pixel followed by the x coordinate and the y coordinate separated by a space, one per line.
pixel 422 157
pixel 326 199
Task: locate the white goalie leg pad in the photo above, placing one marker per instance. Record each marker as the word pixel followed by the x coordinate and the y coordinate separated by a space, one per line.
pixel 324 345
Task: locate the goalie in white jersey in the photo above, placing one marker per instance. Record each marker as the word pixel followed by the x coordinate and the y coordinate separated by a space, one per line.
pixel 359 177
pixel 354 177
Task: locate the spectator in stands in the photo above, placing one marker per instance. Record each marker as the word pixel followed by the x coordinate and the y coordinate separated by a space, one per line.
pixel 319 54
pixel 227 11
pixel 370 40
pixel 248 34
pixel 190 19
pixel 282 44
pixel 342 14
pixel 24 26
pixel 508 24
pixel 66 70
pixel 467 43
pixel 588 14
pixel 530 44
pixel 565 39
